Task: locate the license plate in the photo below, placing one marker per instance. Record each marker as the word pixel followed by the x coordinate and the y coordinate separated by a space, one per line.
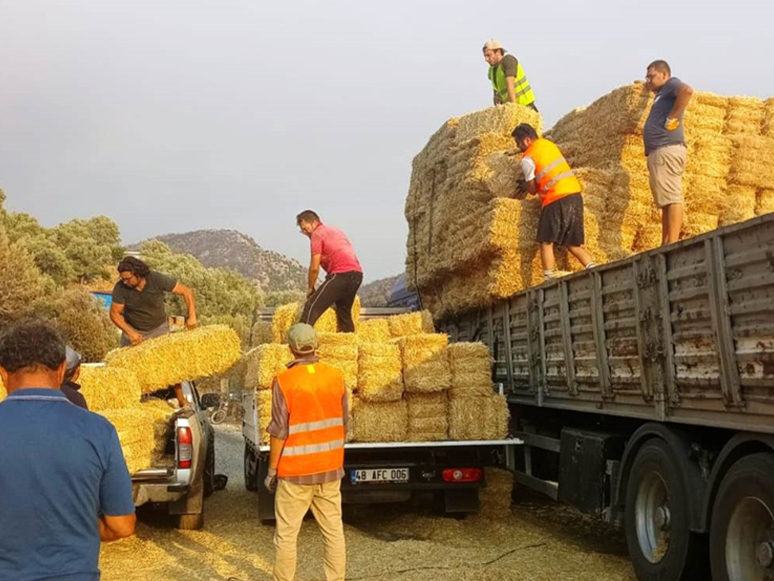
pixel 390 475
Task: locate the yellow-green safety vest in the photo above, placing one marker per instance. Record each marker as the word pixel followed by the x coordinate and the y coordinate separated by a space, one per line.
pixel 524 94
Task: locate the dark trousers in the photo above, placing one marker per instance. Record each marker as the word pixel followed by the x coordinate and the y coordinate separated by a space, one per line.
pixel 340 290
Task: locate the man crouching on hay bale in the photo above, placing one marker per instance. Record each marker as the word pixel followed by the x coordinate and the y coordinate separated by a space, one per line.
pixel 665 146
pixel 333 251
pixel 138 302
pixel 64 485
pixel 308 429
pixel 548 174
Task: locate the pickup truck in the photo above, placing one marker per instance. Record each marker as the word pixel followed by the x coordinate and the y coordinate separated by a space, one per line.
pixel 448 473
pixel 643 390
pixel 189 477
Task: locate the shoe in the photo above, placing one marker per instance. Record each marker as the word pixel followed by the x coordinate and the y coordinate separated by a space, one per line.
pixel 558 274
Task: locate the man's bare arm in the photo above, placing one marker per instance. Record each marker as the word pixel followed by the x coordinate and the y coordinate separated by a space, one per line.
pixel 314 272
pixel 117 316
pixel 531 186
pixel 112 528
pixel 684 94
pixel 190 303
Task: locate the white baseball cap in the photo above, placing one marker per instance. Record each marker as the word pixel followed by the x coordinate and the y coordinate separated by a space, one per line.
pixel 493 44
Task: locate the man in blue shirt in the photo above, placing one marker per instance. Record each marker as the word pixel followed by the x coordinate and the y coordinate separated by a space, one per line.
pixel 64 485
pixel 665 146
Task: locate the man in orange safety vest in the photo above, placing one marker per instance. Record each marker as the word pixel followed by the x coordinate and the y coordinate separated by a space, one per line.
pixel 308 429
pixel 548 174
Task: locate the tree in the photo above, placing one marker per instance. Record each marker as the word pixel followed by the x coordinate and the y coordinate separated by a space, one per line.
pixel 22 285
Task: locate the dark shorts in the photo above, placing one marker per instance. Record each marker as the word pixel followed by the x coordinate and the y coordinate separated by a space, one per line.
pixel 561 222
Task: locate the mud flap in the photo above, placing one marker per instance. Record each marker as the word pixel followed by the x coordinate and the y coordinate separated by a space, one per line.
pixel 464 500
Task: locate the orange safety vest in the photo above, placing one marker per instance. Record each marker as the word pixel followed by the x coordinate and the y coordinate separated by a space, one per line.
pixel 554 176
pixel 315 442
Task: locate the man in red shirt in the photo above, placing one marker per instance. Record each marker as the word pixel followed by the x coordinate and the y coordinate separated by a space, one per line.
pixel 333 251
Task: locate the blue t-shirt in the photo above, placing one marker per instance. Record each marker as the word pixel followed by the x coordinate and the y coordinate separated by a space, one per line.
pixel 60 468
pixel 655 134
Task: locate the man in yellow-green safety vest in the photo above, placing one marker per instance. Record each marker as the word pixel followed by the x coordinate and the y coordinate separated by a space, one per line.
pixel 507 76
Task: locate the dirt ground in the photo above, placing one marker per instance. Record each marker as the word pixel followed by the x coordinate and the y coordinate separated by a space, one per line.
pixel 538 541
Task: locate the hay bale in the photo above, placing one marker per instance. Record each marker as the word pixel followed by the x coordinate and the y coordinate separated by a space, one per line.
pixel 427 416
pixel 261 333
pixel 496 497
pixel 425 362
pixel 471 369
pixel 106 388
pixel 380 372
pixel 764 202
pixel 740 205
pixel 379 422
pixel 264 362
pixel 768 118
pixel 478 418
pixel 288 315
pixel 180 356
pixel 263 401
pixel 374 330
pixel 340 350
pixel 3 391
pixel 745 116
pixel 410 324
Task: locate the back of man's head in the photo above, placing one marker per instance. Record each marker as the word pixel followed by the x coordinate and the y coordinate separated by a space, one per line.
pixel 524 130
pixel 31 346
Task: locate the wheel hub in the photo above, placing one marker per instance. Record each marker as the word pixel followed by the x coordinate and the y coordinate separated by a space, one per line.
pixel 765 554
pixel 663 518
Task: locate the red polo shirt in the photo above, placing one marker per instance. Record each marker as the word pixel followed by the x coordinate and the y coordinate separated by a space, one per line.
pixel 335 250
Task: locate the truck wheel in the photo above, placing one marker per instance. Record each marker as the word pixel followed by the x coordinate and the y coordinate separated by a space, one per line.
pixel 209 469
pixel 190 522
pixel 742 529
pixel 218 417
pixel 251 469
pixel 661 545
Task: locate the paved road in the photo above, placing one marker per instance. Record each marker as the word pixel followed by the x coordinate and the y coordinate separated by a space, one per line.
pixel 538 541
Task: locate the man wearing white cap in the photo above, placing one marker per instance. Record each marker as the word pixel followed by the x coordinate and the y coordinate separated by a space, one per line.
pixel 507 76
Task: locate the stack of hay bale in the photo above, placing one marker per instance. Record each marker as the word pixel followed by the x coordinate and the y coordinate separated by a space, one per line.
pixel 288 315
pixel 144 429
pixel 398 375
pixel 472 239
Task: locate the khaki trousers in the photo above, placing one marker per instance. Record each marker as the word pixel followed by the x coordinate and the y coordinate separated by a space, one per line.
pixel 290 506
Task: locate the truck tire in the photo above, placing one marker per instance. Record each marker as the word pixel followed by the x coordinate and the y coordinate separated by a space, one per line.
pixel 209 470
pixel 251 469
pixel 661 544
pixel 742 526
pixel 190 522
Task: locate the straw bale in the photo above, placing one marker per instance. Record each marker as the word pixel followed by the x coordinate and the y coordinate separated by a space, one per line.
pixel 462 351
pixel 264 362
pixel 263 401
pixel 752 162
pixel 288 315
pixel 478 418
pixel 379 422
pixel 179 356
pixel 380 373
pixel 261 333
pixel 336 340
pixel 496 497
pixel 502 119
pixel 417 348
pixel 142 432
pixel 741 205
pixel 106 388
pixel 374 330
pixel 340 350
pixel 764 202
pixel 768 118
pixel 408 324
pixel 3 392
pixel 745 116
pixel 427 416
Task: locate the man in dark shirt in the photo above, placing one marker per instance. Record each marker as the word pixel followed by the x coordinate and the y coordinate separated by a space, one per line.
pixel 665 146
pixel 138 302
pixel 64 485
pixel 70 386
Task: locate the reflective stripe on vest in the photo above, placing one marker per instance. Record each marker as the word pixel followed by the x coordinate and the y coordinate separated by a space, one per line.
pixel 315 443
pixel 553 175
pixel 521 86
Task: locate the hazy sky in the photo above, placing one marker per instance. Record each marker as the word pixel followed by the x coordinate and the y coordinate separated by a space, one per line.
pixel 173 116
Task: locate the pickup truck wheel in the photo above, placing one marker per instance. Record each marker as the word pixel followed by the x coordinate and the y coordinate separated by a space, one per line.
pixel 251 469
pixel 742 528
pixel 661 545
pixel 190 522
pixel 209 469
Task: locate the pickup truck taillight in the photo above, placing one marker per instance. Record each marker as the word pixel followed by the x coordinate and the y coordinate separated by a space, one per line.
pixel 462 474
pixel 184 447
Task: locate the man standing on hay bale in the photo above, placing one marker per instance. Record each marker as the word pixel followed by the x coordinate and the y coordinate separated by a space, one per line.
pixel 64 485
pixel 138 302
pixel 548 174
pixel 308 429
pixel 507 76
pixel 665 146
pixel 333 251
